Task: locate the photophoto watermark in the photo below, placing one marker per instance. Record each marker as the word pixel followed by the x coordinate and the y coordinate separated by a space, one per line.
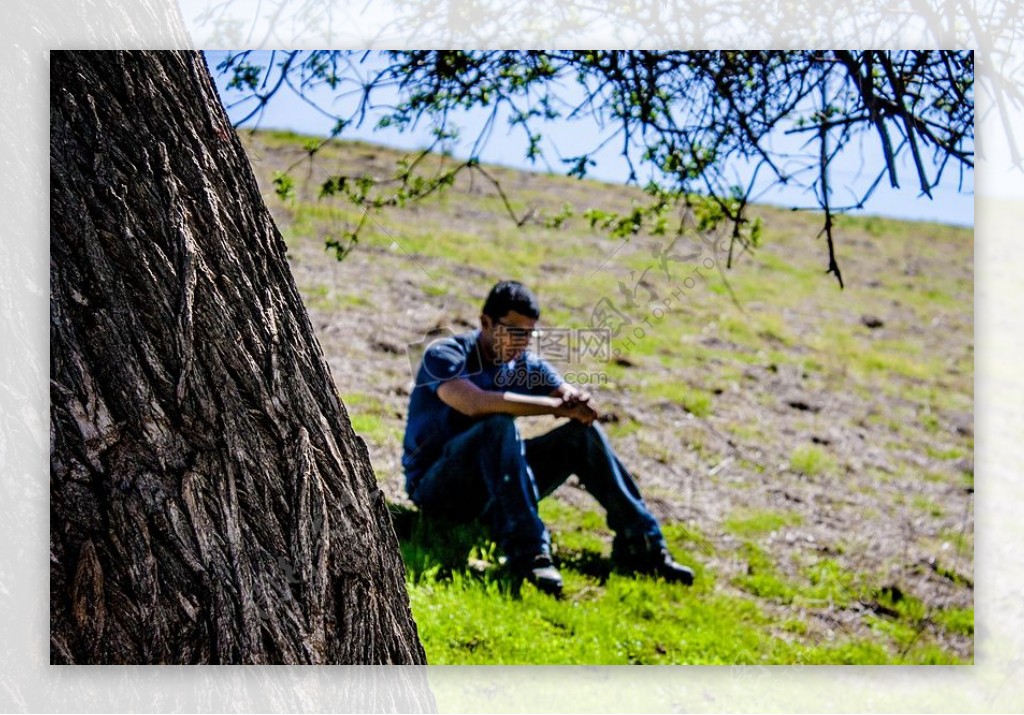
pixel 442 355
pixel 643 298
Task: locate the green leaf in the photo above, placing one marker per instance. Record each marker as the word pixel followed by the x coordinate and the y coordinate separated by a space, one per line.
pixel 284 186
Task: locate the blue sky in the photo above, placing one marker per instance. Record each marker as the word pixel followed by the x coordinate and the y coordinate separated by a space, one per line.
pixel 855 168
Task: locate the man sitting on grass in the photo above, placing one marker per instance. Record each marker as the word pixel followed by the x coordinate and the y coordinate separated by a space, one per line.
pixel 464 458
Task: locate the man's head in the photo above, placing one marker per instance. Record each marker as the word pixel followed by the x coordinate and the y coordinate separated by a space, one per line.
pixel 508 319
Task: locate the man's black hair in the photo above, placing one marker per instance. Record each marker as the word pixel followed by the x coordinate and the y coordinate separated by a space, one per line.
pixel 508 296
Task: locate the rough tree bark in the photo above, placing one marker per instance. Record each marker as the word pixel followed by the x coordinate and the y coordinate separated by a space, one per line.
pixel 210 502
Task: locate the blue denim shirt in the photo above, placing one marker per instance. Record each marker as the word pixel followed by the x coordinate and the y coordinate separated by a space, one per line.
pixel 432 423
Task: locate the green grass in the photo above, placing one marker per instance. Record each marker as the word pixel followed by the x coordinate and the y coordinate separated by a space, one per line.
pixel 746 522
pixel 322 297
pixel 474 617
pixel 577 533
pixel 478 615
pixel 370 418
pixel 811 460
pixel 695 401
pixel 944 454
pixel 471 620
pixel 623 428
pixel 927 505
pixel 956 620
pixel 755 330
pixel 762 578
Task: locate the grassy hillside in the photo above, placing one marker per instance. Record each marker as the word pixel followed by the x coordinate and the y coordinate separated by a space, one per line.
pixel 809 450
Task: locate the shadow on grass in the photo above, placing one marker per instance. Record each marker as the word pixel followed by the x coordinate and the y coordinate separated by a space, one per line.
pixel 434 548
pixel 588 563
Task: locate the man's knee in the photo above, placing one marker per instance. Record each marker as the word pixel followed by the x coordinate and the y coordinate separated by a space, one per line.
pixel 498 424
pixel 581 431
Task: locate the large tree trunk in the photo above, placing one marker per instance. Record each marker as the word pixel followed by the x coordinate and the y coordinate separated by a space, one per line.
pixel 210 502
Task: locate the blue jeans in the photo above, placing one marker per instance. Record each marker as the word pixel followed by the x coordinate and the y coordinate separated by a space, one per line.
pixel 489 471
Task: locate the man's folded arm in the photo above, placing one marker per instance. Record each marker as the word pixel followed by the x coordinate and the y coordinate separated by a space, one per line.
pixel 467 398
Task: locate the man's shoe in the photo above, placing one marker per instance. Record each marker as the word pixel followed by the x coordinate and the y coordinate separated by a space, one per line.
pixel 657 563
pixel 539 571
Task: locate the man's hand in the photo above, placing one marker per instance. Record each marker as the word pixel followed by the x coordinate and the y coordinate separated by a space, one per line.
pixel 578 406
pixel 578 396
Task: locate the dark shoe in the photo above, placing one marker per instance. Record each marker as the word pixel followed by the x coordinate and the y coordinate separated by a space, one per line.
pixel 539 571
pixel 657 563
